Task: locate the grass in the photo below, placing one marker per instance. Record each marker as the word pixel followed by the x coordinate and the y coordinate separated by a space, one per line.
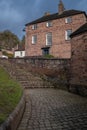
pixel 48 56
pixel 10 94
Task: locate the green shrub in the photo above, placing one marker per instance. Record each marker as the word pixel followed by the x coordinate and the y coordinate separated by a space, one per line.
pixel 48 56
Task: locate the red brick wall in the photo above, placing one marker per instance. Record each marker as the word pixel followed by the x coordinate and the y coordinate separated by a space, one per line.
pixel 79 60
pixel 78 80
pixel 60 48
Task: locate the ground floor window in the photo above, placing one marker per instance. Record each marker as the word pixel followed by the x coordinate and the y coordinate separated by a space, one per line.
pixel 45 51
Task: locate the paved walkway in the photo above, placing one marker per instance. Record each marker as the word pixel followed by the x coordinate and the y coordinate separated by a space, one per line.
pixel 53 109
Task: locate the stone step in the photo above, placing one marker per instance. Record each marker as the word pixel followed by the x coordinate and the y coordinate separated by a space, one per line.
pixel 26 79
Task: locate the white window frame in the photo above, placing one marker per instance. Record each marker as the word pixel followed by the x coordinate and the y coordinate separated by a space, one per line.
pixel 34 27
pixel 68 20
pixel 34 39
pixel 49 39
pixel 67 34
pixel 49 24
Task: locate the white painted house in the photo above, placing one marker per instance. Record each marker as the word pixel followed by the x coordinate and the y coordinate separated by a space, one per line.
pixel 19 53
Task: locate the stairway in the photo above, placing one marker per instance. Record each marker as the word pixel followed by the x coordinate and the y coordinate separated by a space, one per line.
pixel 25 78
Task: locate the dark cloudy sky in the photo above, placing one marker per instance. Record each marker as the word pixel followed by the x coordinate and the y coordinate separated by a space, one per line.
pixel 14 14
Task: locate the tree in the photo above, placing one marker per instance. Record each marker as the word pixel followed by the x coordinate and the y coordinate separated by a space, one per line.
pixel 23 40
pixel 8 40
pixel 21 46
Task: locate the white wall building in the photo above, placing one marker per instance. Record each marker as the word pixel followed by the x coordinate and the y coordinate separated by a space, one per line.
pixel 19 53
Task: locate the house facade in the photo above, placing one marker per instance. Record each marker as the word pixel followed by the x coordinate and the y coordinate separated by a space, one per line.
pixel 78 79
pixel 50 33
pixel 19 53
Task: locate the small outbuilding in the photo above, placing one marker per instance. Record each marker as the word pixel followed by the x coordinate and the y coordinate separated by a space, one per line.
pixel 19 53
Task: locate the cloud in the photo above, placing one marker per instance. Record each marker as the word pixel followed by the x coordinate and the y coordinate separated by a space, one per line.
pixel 9 12
pixel 14 14
pixel 82 5
pixel 36 8
pixel 11 17
pixel 37 3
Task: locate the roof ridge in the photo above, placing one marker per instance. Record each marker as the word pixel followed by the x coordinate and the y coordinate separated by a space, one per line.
pixel 53 16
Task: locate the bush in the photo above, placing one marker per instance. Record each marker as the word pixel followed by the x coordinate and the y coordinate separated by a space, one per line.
pixel 48 56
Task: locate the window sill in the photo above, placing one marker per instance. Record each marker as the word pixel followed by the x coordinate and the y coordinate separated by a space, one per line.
pixel 67 40
pixel 33 43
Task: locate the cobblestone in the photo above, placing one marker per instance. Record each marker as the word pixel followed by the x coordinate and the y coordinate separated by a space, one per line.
pixel 53 109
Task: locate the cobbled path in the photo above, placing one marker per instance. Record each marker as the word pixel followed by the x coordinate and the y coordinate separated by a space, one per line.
pixel 53 109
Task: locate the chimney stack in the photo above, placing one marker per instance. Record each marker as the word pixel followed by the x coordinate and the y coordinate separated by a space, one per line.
pixel 46 13
pixel 60 7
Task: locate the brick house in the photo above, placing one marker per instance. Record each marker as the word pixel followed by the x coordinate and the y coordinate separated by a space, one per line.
pixel 78 79
pixel 50 33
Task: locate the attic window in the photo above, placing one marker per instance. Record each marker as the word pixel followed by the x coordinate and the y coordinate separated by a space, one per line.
pixel 34 27
pixel 49 24
pixel 68 20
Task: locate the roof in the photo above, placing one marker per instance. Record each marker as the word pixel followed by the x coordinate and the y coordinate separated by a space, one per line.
pixel 80 30
pixel 20 50
pixel 65 13
pixel 21 47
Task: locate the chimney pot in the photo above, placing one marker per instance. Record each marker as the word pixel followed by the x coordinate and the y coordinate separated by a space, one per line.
pixel 61 7
pixel 46 13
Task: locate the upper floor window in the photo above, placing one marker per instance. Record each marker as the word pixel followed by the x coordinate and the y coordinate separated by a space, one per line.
pixel 67 34
pixel 49 24
pixel 49 38
pixel 34 39
pixel 68 20
pixel 34 27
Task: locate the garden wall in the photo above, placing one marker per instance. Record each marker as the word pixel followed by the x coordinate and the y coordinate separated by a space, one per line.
pixel 54 70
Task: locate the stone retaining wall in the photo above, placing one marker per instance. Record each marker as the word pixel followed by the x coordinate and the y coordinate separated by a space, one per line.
pixel 54 70
pixel 52 63
pixel 60 72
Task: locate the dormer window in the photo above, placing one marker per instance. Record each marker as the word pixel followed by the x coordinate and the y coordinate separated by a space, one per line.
pixel 34 27
pixel 49 24
pixel 68 20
